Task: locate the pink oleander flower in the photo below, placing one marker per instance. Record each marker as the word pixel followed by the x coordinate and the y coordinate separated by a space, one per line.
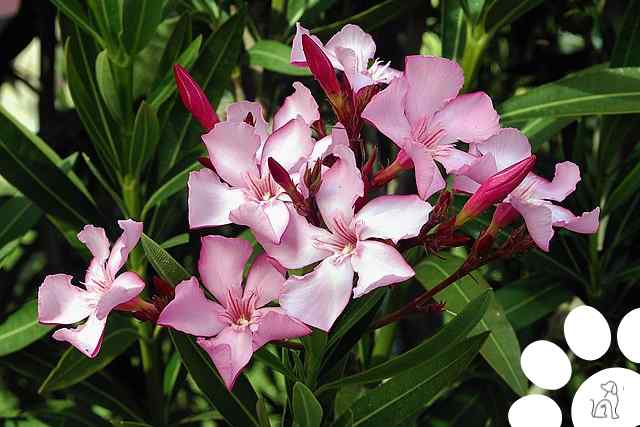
pixel 532 198
pixel 231 329
pixel 423 114
pixel 239 153
pixel 194 98
pixel 350 50
pixel 354 243
pixel 60 302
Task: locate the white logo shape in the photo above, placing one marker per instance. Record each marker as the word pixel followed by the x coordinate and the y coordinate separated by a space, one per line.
pixel 606 399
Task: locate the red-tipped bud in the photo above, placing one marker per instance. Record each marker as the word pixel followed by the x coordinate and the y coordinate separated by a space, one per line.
pixel 504 215
pixel 194 98
pixel 495 189
pixel 320 66
pixel 280 175
pixel 401 163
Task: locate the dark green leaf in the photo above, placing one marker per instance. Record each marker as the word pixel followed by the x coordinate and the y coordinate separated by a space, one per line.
pixel 178 240
pixel 307 411
pixel 275 56
pixel 599 91
pixel 21 329
pixel 625 190
pixel 406 394
pixel 171 373
pixel 453 30
pixel 140 21
pixel 172 186
pixel 453 332
pixel 31 166
pixel 541 129
pixel 108 16
pixel 73 367
pixel 164 264
pixel 473 9
pixel 112 95
pixel 17 216
pixel 177 43
pixel 231 407
pixel 502 350
pixel 74 10
pixel 144 140
pixel 105 184
pixel 503 12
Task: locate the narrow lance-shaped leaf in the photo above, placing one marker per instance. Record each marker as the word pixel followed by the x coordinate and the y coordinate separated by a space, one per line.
pixel 21 329
pixel 17 216
pixel 307 411
pixel 112 95
pixel 164 264
pixel 274 56
pixel 453 30
pixel 503 12
pixel 144 140
pixel 140 21
pixel 74 10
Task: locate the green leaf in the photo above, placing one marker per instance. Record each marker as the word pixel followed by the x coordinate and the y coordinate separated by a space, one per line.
pixel 164 264
pixel 532 299
pixel 21 329
pixel 503 12
pixel 105 184
pixel 599 91
pixel 372 18
pixel 140 21
pixel 307 411
pixel 171 373
pixel 453 332
pixel 275 56
pixel 144 140
pixel 473 9
pixel 408 393
pixel 177 43
pixel 73 367
pixel 263 413
pixel 167 86
pixel 17 215
pixel 541 129
pixel 108 15
pixel 624 191
pixel 502 350
pixel 178 240
pixel 202 371
pixel 112 95
pixel 453 30
pixel 74 10
pixel 31 166
pixel 212 71
pixel 172 186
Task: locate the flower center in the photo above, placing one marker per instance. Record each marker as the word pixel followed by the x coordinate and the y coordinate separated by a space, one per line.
pixel 342 241
pixel 240 310
pixel 262 189
pixel 378 71
pixel 422 134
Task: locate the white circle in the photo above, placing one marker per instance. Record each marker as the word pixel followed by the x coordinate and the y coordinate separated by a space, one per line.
pixel 546 365
pixel 628 341
pixel 587 333
pixel 535 410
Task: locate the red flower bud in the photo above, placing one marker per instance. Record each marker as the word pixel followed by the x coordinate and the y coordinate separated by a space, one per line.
pixel 320 66
pixel 495 189
pixel 194 98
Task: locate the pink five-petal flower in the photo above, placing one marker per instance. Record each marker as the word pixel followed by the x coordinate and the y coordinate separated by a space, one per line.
pixel 423 114
pixel 231 329
pixel 533 197
pixel 60 302
pixel 350 50
pixel 249 195
pixel 348 246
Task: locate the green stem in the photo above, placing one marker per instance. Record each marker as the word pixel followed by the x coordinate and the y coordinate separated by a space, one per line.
pixel 477 41
pixel 151 362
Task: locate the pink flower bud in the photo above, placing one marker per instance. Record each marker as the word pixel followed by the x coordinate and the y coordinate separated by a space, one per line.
pixel 495 189
pixel 194 98
pixel 320 66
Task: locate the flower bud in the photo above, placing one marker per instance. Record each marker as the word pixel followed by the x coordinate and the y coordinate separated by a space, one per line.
pixel 320 66
pixel 194 98
pixel 495 189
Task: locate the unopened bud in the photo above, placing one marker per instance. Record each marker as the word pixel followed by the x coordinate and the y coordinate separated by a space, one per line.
pixel 313 178
pixel 320 66
pixel 194 98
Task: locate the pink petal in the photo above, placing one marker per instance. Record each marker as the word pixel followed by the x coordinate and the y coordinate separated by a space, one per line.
pixel 211 200
pixel 268 220
pixel 87 338
pixel 353 38
pixel 123 289
pixel 290 145
pixel 432 82
pixel 468 178
pixel 356 75
pixel 386 111
pixel 341 186
pixel 564 183
pixel 392 217
pixel 297 53
pixel 319 297
pixel 453 159
pixel 507 147
pixel 191 312
pixel 230 351
pixel 59 302
pixel 330 144
pixel 428 177
pixel 465 184
pixel 538 219
pixel 131 232
pixel 300 103
pixel 377 265
pixel 95 239
pixel 469 118
pixel 296 248
pixel 232 149
pixel 274 324
pixel 237 112
pixel 221 265
pixel 587 223
pixel 265 280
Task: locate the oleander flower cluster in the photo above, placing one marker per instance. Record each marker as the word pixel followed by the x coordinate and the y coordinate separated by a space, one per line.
pixel 317 200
